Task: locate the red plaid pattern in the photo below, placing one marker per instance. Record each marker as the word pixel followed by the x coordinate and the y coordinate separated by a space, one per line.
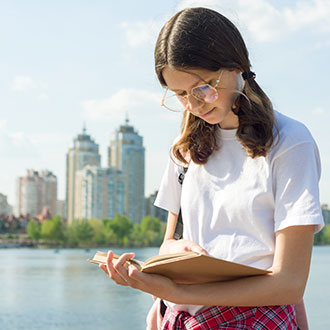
pixel 231 318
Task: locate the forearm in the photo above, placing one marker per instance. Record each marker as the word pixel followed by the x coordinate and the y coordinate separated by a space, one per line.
pixel 276 289
pixel 286 284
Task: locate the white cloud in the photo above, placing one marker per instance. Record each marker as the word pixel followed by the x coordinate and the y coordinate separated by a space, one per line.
pixel 307 13
pixel 321 44
pixel 22 83
pixel 118 104
pixel 15 145
pixel 20 151
pixel 18 144
pixel 197 3
pixel 3 124
pixel 267 23
pixel 319 111
pixel 140 32
pixel 43 96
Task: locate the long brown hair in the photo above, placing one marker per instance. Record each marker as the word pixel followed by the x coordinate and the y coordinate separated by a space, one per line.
pixel 201 38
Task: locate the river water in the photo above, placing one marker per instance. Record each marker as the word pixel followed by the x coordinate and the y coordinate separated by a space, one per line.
pixel 46 289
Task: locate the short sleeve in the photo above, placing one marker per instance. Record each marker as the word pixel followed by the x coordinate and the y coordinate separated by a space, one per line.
pixel 296 174
pixel 169 194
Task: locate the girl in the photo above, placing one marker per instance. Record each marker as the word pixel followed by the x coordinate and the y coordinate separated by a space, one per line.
pixel 250 194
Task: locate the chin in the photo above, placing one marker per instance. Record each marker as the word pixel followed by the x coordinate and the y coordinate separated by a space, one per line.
pixel 211 121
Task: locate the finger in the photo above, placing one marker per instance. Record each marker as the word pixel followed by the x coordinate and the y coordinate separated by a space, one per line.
pixel 121 261
pixel 112 272
pixel 121 265
pixel 104 268
pixel 109 263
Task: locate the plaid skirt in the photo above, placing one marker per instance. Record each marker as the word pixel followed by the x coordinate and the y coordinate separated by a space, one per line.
pixel 230 318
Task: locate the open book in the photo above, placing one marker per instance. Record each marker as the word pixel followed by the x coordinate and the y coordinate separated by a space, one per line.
pixel 189 267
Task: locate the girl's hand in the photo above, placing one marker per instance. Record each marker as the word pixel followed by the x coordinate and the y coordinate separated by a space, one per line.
pixel 170 245
pixel 118 270
pixel 181 245
pixel 128 275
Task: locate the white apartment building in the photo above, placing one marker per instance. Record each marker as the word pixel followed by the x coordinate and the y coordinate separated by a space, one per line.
pixel 84 152
pixel 35 191
pixel 127 153
pixel 100 193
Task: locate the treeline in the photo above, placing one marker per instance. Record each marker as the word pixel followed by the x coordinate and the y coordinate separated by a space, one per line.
pixel 120 232
pixel 323 237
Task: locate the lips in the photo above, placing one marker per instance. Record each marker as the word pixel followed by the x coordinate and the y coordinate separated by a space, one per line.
pixel 206 114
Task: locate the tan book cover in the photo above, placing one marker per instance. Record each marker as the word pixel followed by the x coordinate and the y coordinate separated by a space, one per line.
pixel 189 267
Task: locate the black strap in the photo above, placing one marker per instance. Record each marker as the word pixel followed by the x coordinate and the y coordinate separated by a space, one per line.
pixel 248 75
pixel 179 225
pixel 162 308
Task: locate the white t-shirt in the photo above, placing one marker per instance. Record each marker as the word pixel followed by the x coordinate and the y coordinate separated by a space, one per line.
pixel 233 205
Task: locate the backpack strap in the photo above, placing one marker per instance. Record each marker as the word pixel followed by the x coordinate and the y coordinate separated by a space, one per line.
pixel 179 225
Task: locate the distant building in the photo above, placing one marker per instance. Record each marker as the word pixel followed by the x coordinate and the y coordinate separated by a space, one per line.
pixel 84 152
pixel 35 191
pixel 100 193
pixel 5 208
pixel 153 210
pixel 127 153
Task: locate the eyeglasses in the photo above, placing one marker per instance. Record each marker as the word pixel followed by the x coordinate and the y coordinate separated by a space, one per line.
pixel 203 93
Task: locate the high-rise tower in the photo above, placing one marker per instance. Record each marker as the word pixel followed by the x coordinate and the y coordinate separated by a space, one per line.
pixel 84 152
pixel 126 152
pixel 35 191
pixel 100 193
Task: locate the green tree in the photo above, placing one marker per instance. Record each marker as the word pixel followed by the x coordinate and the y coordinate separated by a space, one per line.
pixel 323 237
pixel 33 230
pixel 70 235
pixel 149 223
pixel 137 238
pixel 52 230
pixel 99 237
pixel 151 231
pixel 326 235
pixel 84 232
pixel 121 227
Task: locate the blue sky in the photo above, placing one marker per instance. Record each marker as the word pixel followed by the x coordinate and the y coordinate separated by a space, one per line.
pixel 64 63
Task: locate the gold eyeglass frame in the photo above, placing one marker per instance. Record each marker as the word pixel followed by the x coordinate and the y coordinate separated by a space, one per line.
pixel 187 95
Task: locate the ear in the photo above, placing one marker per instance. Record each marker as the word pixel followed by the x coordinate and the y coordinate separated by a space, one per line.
pixel 240 82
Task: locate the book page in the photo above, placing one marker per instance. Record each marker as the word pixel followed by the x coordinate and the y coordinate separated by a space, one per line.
pixel 169 257
pixel 101 258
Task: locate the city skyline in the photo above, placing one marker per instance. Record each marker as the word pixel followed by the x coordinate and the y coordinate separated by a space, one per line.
pixel 64 64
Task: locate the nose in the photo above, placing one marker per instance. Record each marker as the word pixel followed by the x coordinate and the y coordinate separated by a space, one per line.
pixel 193 104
